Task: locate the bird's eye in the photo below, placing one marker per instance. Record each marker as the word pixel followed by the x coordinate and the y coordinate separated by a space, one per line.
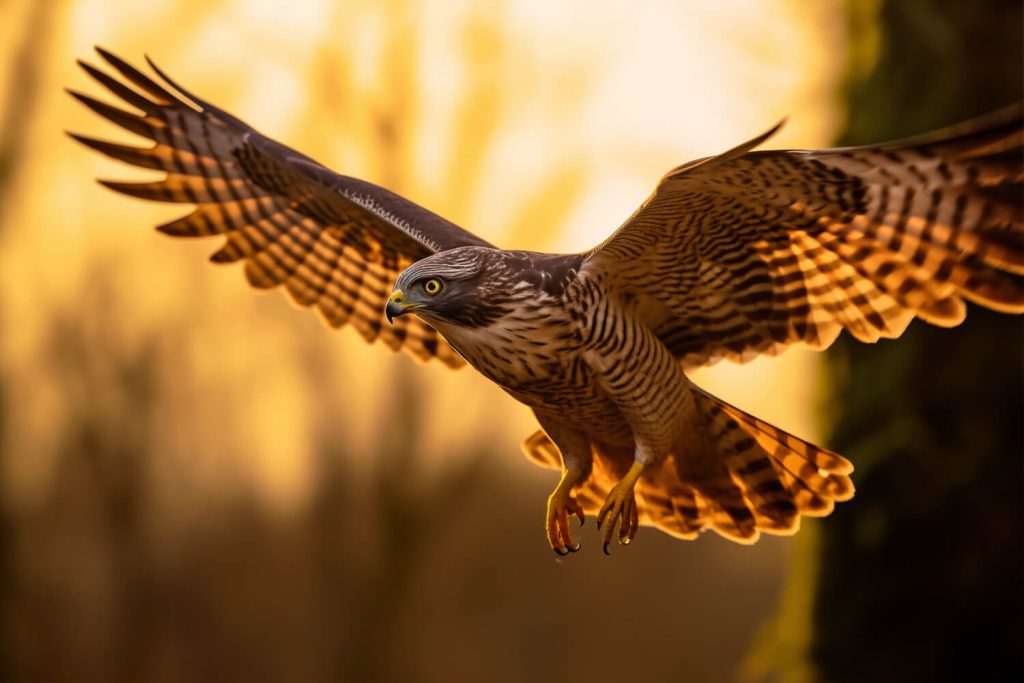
pixel 432 286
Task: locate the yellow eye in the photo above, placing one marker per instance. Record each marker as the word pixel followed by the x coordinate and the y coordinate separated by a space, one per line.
pixel 432 286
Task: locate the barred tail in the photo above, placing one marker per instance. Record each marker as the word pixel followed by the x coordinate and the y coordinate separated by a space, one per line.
pixel 768 477
pixel 749 477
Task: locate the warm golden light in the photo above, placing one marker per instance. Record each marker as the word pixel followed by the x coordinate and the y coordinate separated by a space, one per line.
pixel 527 130
pixel 536 125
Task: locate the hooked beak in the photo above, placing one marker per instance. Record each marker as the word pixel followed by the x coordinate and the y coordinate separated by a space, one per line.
pixel 396 305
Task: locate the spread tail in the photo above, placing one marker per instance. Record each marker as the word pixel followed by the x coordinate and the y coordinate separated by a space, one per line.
pixel 750 477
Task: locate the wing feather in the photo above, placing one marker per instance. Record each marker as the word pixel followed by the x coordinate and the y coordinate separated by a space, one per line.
pixel 335 243
pixel 751 251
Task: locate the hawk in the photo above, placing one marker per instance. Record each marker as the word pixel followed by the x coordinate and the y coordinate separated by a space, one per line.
pixel 733 256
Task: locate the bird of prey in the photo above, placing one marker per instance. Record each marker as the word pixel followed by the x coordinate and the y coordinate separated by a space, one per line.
pixel 732 256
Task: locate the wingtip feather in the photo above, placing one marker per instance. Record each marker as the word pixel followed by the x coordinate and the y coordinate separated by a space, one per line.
pixel 108 56
pixel 127 120
pixel 135 76
pixel 171 82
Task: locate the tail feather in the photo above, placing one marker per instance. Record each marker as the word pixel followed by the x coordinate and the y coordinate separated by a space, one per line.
pixel 542 451
pixel 753 477
pixel 782 476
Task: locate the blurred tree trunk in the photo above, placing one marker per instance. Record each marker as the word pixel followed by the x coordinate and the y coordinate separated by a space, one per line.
pixel 19 102
pixel 20 98
pixel 921 575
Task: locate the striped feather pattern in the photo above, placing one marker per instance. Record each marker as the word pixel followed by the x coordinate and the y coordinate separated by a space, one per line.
pixel 336 244
pixel 748 252
pixel 756 478
pixel 733 256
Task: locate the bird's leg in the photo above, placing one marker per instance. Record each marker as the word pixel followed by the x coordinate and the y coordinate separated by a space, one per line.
pixel 560 505
pixel 644 381
pixel 577 460
pixel 620 508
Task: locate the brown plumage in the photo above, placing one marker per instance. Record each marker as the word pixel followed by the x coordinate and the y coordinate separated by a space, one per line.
pixel 332 241
pixel 733 256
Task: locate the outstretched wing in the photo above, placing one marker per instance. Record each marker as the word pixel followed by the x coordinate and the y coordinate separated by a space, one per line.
pixel 748 252
pixel 335 243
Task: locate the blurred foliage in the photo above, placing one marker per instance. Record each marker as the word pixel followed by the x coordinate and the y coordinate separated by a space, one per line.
pixel 126 568
pixel 14 120
pixel 140 539
pixel 921 576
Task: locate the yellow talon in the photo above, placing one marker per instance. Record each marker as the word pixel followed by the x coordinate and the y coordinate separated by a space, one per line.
pixel 560 505
pixel 621 505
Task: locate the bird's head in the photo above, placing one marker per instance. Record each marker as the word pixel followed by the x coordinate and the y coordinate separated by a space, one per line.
pixel 451 287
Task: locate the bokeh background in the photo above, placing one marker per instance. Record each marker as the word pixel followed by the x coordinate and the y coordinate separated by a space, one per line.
pixel 200 483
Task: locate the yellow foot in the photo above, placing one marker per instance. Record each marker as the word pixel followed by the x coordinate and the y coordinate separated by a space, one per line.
pixel 560 505
pixel 620 510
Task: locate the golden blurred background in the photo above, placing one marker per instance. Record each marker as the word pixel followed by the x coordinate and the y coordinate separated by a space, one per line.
pixel 202 483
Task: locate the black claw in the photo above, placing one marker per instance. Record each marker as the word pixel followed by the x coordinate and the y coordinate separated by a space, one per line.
pixel 606 549
pixel 573 549
pixel 561 553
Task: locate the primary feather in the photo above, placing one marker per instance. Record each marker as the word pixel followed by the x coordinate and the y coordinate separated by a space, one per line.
pixel 749 252
pixel 336 243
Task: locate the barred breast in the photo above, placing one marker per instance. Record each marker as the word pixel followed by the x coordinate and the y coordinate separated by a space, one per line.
pixel 534 353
